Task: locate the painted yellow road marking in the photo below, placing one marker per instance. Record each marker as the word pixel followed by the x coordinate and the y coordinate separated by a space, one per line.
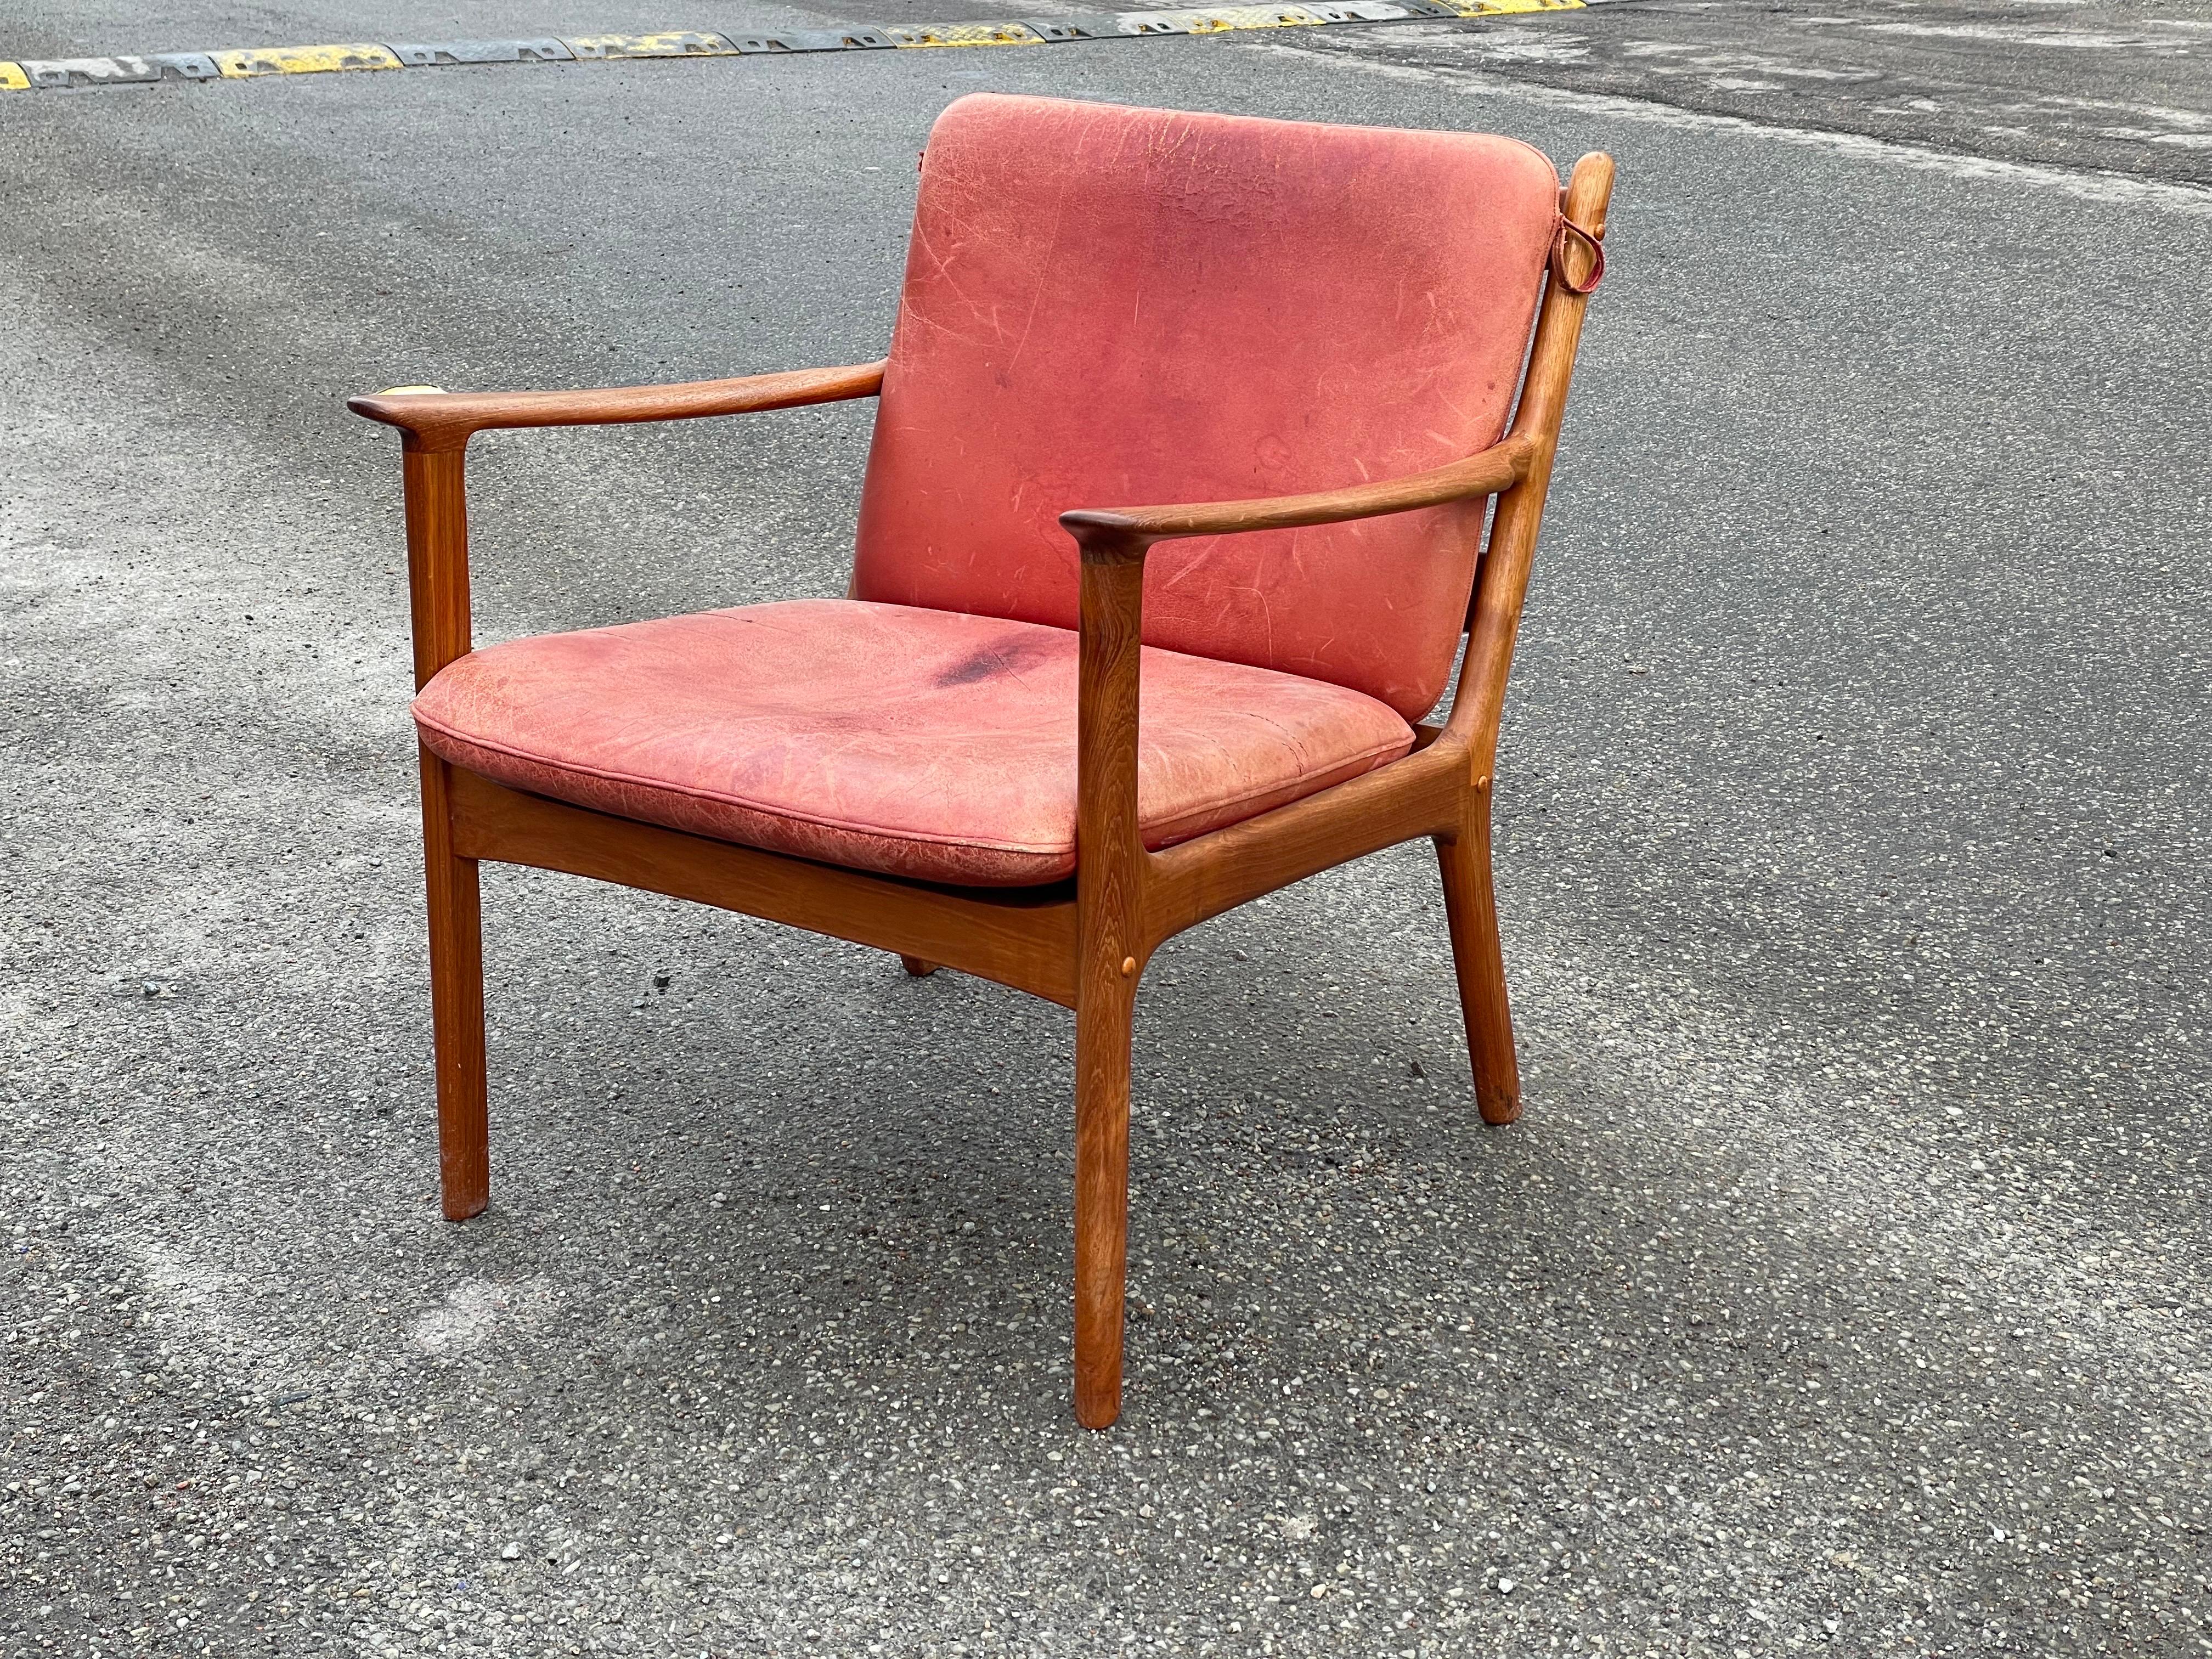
pixel 304 60
pixel 12 78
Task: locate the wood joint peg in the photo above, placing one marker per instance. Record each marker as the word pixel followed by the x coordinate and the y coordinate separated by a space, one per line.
pixel 1129 966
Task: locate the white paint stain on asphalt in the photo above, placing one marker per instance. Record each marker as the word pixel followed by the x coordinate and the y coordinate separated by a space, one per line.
pixel 2074 40
pixel 474 1307
pixel 2191 201
pixel 191 1300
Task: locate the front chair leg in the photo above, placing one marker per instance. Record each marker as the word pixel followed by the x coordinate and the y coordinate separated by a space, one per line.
pixel 918 967
pixel 457 1018
pixel 1103 1012
pixel 1471 910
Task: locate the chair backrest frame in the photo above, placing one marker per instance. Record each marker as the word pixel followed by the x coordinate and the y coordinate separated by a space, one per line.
pixel 1501 582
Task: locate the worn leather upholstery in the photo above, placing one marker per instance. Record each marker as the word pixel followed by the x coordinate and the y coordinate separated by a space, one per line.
pixel 1107 306
pixel 920 743
pixel 1103 307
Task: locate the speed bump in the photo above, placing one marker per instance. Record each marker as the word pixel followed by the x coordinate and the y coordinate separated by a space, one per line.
pixel 66 73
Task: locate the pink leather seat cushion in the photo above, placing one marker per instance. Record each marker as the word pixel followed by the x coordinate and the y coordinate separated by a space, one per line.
pixel 1107 306
pixel 919 743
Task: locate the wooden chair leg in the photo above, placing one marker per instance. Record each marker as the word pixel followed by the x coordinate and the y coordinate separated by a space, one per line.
pixel 917 967
pixel 1102 1018
pixel 457 1018
pixel 1471 908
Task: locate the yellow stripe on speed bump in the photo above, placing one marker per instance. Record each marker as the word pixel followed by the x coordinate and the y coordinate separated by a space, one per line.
pixel 12 78
pixel 967 34
pixel 1220 20
pixel 304 60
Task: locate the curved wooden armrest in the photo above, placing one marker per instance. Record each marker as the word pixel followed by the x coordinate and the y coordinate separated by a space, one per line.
pixel 1497 468
pixel 436 420
pixel 1110 623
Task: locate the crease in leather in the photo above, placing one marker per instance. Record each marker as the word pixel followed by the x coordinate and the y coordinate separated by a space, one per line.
pixel 1191 308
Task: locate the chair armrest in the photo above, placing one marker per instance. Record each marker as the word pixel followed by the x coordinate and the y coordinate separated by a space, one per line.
pixel 434 420
pixel 1497 468
pixel 1110 856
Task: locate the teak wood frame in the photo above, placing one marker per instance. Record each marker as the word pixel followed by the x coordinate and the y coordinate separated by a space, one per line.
pixel 1082 943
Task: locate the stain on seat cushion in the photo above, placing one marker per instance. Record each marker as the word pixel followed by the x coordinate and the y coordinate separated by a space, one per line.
pixel 929 744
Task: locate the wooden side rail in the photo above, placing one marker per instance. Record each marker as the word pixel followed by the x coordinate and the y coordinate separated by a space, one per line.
pixel 1188 882
pixel 1022 936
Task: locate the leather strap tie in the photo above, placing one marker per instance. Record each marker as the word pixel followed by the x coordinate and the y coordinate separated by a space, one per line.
pixel 1592 241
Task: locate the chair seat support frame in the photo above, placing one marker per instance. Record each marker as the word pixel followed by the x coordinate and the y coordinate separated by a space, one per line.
pixel 1082 943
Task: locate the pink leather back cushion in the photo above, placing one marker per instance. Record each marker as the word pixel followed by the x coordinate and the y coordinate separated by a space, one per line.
pixel 1113 308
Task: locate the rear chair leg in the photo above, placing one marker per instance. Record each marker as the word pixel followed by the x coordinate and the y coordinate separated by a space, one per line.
pixel 457 1018
pixel 917 967
pixel 1471 908
pixel 1102 1018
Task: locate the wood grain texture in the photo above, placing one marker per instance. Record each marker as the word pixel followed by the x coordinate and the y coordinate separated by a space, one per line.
pixel 438 597
pixel 437 559
pixel 457 1013
pixel 438 421
pixel 1479 964
pixel 1485 474
pixel 1416 796
pixel 1502 579
pixel 1109 871
pixel 1104 1012
pixel 1020 937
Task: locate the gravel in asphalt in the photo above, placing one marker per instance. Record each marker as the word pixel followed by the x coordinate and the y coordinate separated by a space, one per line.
pixel 1843 1289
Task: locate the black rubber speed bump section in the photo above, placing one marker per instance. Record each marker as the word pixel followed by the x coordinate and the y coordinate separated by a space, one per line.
pixel 815 40
pixel 673 43
pixel 1093 26
pixel 419 55
pixel 112 71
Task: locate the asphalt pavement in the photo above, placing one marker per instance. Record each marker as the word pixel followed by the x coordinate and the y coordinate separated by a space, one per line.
pixel 1844 1288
